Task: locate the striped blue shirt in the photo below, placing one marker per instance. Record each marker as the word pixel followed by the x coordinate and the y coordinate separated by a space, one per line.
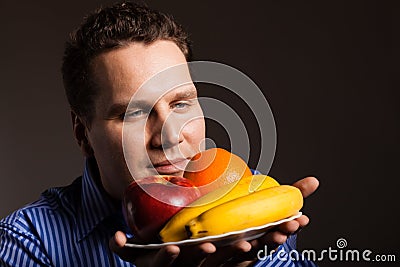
pixel 71 226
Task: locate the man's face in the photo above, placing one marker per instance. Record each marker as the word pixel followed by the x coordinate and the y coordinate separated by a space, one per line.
pixel 160 128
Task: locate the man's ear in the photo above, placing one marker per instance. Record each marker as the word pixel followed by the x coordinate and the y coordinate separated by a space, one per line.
pixel 79 128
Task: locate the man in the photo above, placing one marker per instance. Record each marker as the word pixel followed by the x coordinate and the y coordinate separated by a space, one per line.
pixel 112 54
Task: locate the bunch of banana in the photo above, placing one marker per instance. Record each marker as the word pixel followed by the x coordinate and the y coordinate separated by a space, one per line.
pixel 175 230
pixel 259 208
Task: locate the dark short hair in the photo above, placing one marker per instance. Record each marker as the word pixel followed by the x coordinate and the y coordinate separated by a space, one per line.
pixel 106 29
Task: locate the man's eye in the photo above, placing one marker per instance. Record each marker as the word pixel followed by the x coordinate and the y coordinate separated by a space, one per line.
pixel 135 113
pixel 181 105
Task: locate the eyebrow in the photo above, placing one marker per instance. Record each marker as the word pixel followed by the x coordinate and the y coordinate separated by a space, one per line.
pixel 116 110
pixel 188 93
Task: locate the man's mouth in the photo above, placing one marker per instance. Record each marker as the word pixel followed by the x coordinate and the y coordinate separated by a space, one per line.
pixel 171 166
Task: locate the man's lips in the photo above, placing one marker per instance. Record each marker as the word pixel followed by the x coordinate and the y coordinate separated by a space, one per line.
pixel 171 166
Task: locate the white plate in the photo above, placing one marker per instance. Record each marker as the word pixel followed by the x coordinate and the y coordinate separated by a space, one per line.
pixel 220 240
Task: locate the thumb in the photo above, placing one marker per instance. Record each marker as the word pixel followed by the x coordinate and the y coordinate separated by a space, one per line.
pixel 142 257
pixel 307 185
pixel 117 245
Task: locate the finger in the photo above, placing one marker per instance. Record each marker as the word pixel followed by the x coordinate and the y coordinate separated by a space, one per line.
pixel 276 238
pixel 166 256
pixel 271 239
pixel 307 185
pixel 303 220
pixel 194 255
pixel 224 254
pixel 290 227
pixel 244 258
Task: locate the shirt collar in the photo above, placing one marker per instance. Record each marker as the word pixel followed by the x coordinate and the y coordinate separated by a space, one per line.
pixel 95 203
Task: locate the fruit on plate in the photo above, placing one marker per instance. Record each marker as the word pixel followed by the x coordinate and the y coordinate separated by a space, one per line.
pixel 215 167
pixel 174 230
pixel 150 202
pixel 255 209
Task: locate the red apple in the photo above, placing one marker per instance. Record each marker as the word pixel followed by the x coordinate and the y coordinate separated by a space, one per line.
pixel 150 202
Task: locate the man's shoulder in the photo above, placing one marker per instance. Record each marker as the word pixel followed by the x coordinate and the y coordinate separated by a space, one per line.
pixel 54 202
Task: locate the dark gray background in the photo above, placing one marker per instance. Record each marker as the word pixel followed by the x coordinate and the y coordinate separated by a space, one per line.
pixel 328 70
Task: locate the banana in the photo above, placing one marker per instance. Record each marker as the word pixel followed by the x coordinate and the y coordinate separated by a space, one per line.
pixel 259 208
pixel 174 230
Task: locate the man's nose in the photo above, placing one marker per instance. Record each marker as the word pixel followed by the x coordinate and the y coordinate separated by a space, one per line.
pixel 167 133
